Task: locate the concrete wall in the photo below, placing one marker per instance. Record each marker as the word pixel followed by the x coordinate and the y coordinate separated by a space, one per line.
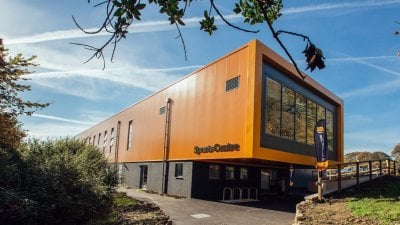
pixel 176 186
pixel 180 186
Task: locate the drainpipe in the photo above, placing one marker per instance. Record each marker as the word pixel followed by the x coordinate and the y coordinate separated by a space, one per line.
pixel 117 142
pixel 165 163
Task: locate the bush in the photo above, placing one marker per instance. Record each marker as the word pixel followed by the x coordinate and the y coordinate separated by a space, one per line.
pixel 54 182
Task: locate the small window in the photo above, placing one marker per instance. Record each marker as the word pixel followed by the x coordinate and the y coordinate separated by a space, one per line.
pixel 230 173
pixel 213 172
pixel 162 110
pixel 232 84
pixel 130 135
pixel 94 140
pixel 105 141
pixel 179 170
pixel 112 139
pixel 98 140
pixel 243 173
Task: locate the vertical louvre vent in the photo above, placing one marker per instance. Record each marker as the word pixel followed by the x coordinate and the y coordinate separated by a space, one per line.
pixel 162 110
pixel 232 84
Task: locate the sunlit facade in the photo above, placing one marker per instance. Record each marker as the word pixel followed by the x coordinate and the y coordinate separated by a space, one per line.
pixel 239 123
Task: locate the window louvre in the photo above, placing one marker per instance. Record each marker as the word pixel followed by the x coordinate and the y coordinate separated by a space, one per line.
pixel 162 110
pixel 232 84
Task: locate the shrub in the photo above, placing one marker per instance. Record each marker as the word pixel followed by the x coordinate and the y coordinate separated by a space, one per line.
pixel 54 182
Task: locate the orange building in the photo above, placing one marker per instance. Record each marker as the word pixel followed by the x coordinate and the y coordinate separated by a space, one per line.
pixel 240 122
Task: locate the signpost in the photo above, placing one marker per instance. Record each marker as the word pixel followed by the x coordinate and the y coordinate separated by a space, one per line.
pixel 321 150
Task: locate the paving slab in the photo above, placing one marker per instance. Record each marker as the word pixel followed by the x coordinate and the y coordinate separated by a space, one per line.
pixel 276 211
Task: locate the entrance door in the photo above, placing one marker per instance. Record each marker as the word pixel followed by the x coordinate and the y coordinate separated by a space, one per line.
pixel 143 177
pixel 265 180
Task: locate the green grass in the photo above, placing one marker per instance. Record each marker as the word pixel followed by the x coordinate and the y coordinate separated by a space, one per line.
pixel 379 201
pixel 122 201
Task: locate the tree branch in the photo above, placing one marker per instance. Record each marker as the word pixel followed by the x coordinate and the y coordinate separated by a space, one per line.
pixel 275 35
pixel 227 22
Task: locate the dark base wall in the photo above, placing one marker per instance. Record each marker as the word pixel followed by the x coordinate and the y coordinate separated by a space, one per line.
pixel 176 186
pixel 205 188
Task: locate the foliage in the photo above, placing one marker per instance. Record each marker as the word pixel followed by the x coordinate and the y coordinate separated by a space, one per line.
pixel 396 152
pixel 121 16
pixel 54 182
pixel 364 156
pixel 12 71
pixel 381 203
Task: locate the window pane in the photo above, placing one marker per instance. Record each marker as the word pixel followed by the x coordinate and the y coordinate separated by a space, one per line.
pixel 320 112
pixel 329 129
pixel 273 108
pixel 243 173
pixel 213 172
pixel 130 135
pixel 288 109
pixel 311 120
pixel 178 170
pixel 301 118
pixel 230 173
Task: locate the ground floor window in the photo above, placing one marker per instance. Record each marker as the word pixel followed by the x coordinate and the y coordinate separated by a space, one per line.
pixel 230 173
pixel 213 172
pixel 243 173
pixel 179 170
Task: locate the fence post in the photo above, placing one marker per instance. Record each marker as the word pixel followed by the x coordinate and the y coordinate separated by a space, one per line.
pixel 394 167
pixel 388 166
pixel 370 169
pixel 380 168
pixel 358 172
pixel 339 178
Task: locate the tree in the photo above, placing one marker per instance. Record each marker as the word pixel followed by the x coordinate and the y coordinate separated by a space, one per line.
pixel 396 152
pixel 12 71
pixel 54 182
pixel 121 15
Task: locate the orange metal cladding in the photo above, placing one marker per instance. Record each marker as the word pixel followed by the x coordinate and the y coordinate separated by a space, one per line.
pixel 263 53
pixel 204 114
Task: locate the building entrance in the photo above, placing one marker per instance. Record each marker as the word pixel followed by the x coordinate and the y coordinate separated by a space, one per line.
pixel 143 177
pixel 269 179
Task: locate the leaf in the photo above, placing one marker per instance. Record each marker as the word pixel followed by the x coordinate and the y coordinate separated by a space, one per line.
pixel 140 6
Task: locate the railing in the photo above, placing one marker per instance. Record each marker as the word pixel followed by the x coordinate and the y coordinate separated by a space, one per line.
pixel 237 194
pixel 362 169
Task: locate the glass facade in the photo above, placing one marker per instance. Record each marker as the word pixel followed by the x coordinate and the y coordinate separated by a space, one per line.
pixel 213 172
pixel 290 115
pixel 273 116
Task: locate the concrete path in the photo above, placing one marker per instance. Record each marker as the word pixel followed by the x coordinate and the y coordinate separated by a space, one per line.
pixel 194 211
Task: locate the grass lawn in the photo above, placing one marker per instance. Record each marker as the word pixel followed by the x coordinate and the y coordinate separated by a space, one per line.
pixel 380 202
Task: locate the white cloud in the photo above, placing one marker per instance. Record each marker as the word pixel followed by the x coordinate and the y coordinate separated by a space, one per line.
pixel 53 130
pixel 56 118
pixel 376 89
pixel 331 6
pixel 163 25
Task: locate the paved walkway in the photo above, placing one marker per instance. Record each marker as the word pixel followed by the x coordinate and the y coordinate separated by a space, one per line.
pixel 194 211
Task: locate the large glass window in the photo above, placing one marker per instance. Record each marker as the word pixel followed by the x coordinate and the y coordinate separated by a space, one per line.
pixel 329 129
pixel 320 113
pixel 301 118
pixel 213 172
pixel 288 110
pixel 130 135
pixel 311 120
pixel 291 115
pixel 273 109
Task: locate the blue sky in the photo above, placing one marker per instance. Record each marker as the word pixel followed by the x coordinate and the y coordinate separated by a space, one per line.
pixel 356 36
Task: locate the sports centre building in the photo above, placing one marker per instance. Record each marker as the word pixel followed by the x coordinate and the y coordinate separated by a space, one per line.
pixel 241 123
